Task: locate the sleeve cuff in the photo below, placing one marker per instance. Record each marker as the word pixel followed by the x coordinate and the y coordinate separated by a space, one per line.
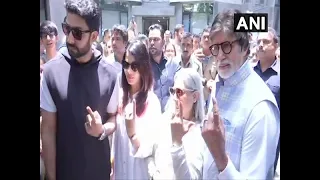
pixel 229 172
pixel 177 151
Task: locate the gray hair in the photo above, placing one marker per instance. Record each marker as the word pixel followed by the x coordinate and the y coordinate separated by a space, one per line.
pixel 274 35
pixel 224 22
pixel 192 80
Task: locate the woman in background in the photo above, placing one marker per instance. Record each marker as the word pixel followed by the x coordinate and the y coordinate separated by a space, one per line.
pixel 170 50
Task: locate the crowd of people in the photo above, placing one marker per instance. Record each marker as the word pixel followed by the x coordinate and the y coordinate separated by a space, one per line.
pixel 161 105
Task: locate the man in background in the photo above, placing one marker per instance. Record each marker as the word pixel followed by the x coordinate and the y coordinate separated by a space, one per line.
pixel 78 101
pixel 178 33
pixel 163 70
pixel 268 66
pixel 119 41
pixel 48 39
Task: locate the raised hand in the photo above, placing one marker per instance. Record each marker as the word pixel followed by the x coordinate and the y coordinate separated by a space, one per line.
pixel 130 116
pixel 179 126
pixel 93 125
pixel 213 133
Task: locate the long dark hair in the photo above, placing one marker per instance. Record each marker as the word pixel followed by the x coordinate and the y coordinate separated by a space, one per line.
pixel 139 51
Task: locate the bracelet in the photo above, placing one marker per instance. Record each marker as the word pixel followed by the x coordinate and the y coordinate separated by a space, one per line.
pixel 103 135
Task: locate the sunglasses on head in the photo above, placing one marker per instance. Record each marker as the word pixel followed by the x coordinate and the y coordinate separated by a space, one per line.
pixel 76 32
pixel 179 92
pixel 134 65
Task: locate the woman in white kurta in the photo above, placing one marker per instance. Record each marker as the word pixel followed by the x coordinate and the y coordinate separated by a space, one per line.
pixel 138 112
pixel 179 147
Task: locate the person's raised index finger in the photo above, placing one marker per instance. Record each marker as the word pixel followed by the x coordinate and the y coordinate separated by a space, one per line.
pixel 215 111
pixel 90 112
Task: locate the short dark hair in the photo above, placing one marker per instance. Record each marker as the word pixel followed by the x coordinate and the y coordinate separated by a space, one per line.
pixel 106 31
pixel 224 21
pixel 196 36
pixel 157 26
pixel 143 38
pixel 178 27
pixel 86 9
pixel 187 35
pixel 47 28
pixel 140 53
pixel 206 29
pixel 122 30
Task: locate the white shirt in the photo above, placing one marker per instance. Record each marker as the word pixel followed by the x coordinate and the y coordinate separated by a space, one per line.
pixel 259 140
pixel 130 163
pixel 183 162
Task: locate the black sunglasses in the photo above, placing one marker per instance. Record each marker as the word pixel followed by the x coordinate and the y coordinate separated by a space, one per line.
pixel 134 66
pixel 226 47
pixel 76 32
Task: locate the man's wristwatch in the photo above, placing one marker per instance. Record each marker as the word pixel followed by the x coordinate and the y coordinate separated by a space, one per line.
pixel 104 134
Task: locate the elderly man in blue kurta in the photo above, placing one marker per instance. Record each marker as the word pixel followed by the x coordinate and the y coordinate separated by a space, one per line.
pixel 243 143
pixel 242 130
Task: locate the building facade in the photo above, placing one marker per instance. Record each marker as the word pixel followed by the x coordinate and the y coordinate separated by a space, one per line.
pixel 193 14
pixel 272 7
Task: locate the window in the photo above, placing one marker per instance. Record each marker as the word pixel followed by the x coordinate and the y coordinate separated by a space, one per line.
pixel 200 16
pixel 124 18
pixel 186 22
pixel 261 2
pixel 113 13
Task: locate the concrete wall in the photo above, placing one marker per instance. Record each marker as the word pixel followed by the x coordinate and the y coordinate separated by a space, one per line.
pixel 269 7
pixel 56 14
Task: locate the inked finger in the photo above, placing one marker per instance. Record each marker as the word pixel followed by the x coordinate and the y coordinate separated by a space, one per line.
pixel 90 112
pixel 215 111
pixel 210 122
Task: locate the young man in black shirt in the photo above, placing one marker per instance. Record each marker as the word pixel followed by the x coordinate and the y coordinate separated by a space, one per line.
pixel 79 99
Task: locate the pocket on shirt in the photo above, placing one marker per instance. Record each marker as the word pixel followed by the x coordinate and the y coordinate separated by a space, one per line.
pixel 228 126
pixel 231 132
